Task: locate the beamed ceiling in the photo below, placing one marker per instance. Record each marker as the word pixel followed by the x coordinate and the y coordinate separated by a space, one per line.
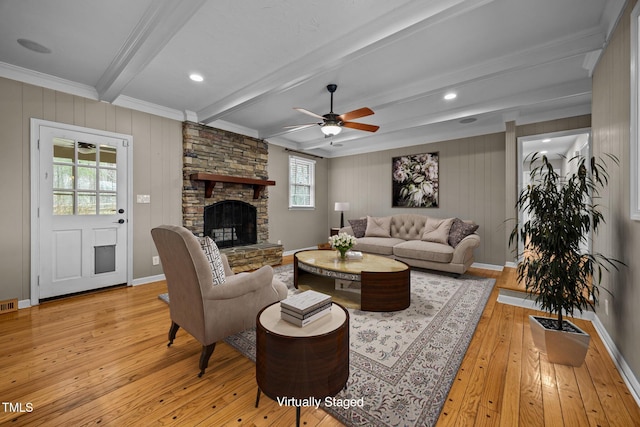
pixel 519 60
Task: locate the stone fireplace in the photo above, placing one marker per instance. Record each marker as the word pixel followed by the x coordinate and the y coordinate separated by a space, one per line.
pixel 225 194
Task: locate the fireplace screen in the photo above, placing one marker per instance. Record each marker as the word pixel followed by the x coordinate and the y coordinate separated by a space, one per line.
pixel 231 223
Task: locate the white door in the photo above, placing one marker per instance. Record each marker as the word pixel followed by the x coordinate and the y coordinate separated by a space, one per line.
pixel 82 211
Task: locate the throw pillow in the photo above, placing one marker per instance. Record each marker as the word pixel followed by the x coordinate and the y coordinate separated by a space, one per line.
pixel 378 226
pixel 212 253
pixel 359 226
pixel 460 230
pixel 437 230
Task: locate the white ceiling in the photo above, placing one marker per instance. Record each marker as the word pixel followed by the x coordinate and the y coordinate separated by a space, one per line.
pixel 517 60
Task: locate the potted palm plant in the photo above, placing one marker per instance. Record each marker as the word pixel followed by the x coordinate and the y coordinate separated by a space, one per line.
pixel 558 272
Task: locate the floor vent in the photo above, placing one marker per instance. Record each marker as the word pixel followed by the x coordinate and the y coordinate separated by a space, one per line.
pixel 8 306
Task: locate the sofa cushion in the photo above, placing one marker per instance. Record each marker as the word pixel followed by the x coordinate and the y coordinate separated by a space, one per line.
pixel 359 226
pixel 378 226
pixel 460 230
pixel 377 245
pixel 212 253
pixel 437 230
pixel 427 251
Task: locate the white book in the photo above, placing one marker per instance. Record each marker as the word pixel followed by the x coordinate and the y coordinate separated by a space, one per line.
pixel 302 322
pixel 306 314
pixel 305 301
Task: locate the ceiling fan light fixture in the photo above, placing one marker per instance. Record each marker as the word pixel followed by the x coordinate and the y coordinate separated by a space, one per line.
pixel 331 129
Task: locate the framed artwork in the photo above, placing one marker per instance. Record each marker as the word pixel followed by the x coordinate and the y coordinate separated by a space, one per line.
pixel 415 181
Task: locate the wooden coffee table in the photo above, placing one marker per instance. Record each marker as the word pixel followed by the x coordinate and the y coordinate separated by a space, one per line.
pixel 296 363
pixel 385 283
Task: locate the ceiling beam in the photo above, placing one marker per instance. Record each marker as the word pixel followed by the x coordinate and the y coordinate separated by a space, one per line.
pixel 400 23
pixel 514 101
pixel 160 22
pixel 557 50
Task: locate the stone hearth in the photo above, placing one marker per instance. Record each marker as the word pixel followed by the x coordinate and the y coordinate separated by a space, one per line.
pixel 215 151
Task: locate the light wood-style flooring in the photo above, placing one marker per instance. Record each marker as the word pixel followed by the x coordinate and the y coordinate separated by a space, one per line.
pixel 102 359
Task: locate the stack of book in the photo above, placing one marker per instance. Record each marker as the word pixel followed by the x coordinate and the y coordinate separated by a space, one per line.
pixel 305 307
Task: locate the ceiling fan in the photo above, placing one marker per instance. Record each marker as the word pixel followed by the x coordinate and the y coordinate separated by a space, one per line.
pixel 333 123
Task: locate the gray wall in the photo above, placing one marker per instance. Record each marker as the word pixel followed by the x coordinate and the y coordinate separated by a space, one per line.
pixel 157 171
pixel 472 186
pixel 296 229
pixel 620 236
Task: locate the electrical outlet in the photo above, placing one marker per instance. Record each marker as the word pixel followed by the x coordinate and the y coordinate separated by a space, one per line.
pixel 279 242
pixel 155 260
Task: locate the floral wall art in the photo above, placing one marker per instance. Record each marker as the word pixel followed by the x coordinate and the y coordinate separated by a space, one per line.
pixel 415 181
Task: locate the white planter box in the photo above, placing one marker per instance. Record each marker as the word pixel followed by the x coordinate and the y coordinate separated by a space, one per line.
pixel 565 348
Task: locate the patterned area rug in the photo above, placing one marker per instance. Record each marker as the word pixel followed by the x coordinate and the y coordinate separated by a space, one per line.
pixel 402 364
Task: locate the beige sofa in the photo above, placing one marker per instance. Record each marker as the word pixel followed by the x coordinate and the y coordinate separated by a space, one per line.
pixel 418 240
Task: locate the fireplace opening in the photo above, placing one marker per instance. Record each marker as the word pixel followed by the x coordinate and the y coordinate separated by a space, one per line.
pixel 231 223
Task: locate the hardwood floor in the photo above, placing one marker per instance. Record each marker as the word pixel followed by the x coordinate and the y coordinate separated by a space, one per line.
pixel 102 359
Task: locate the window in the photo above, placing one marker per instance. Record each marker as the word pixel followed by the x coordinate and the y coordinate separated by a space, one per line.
pixel 301 183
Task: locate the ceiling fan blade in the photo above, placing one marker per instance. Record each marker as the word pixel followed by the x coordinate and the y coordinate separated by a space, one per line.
pixel 361 126
pixel 310 113
pixel 308 125
pixel 356 114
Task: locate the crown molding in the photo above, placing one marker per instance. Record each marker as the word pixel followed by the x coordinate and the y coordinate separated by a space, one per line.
pixel 36 78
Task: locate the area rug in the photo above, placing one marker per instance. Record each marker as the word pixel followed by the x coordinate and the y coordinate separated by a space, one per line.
pixel 402 364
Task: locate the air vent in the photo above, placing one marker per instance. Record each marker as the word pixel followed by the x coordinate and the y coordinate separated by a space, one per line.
pixel 8 306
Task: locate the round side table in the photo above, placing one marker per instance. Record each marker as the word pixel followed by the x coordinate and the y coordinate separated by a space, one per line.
pixel 295 363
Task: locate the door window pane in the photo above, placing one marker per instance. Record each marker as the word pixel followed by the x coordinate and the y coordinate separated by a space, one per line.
pixel 63 151
pixel 86 153
pixel 63 177
pixel 108 180
pixel 107 204
pixel 63 202
pixel 107 156
pixel 86 178
pixel 86 203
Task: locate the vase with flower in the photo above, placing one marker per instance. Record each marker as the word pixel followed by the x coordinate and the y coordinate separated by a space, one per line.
pixel 342 242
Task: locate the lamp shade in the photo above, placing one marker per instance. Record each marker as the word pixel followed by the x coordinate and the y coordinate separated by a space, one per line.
pixel 341 206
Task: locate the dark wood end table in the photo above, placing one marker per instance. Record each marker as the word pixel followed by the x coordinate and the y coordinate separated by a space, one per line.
pixel 295 363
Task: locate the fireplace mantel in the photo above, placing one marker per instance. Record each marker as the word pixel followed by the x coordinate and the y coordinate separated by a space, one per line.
pixel 211 180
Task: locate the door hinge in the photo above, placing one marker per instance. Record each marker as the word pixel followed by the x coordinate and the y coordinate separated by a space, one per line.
pixel 38 144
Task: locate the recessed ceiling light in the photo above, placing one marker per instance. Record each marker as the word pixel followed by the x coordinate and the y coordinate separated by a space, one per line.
pixel 467 120
pixel 196 77
pixel 546 140
pixel 33 46
pixel 449 96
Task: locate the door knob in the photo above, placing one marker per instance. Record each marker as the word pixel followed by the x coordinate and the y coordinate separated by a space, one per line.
pixel 120 221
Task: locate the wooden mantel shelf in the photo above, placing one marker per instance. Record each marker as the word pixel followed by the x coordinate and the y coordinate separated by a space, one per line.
pixel 211 179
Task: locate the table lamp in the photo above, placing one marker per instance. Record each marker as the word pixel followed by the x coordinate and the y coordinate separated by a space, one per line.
pixel 341 207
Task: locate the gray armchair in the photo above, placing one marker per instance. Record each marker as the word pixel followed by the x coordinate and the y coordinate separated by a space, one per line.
pixel 206 311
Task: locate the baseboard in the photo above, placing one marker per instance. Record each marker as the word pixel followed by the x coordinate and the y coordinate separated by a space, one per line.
pixel 520 299
pixel 25 303
pixel 623 367
pixel 148 279
pixel 287 253
pixel 487 266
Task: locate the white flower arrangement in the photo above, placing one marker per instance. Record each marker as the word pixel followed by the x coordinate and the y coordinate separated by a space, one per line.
pixel 342 241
